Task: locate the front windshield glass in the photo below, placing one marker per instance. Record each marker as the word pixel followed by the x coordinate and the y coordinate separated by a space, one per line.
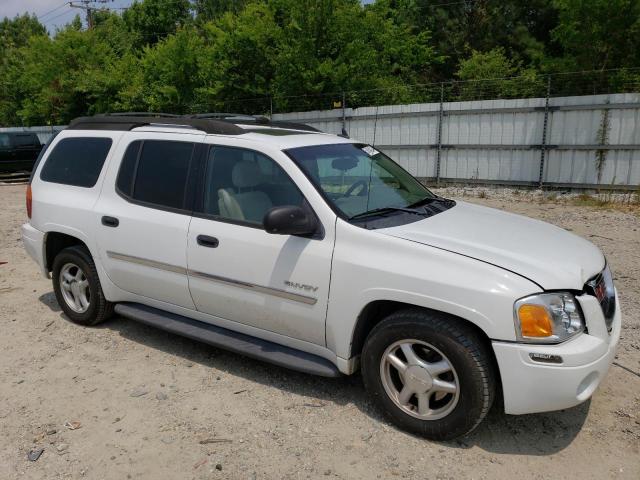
pixel 357 178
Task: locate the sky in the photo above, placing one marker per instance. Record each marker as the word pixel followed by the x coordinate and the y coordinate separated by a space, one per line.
pixel 52 13
pixel 56 13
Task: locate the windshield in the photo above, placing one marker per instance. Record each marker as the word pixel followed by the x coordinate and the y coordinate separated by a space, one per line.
pixel 357 178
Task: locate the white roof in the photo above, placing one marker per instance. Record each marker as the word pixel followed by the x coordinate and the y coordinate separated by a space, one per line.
pixel 288 138
pixel 281 138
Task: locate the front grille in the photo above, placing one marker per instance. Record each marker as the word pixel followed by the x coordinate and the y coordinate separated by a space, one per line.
pixel 601 287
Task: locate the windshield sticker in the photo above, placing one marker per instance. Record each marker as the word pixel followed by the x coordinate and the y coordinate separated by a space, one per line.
pixel 369 150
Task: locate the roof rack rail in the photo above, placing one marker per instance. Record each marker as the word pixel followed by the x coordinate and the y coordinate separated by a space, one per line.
pixel 123 123
pixel 221 115
pixel 288 125
pixel 141 114
pixel 246 119
pixel 213 123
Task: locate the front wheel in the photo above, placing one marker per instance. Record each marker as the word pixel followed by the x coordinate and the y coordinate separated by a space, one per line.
pixel 432 374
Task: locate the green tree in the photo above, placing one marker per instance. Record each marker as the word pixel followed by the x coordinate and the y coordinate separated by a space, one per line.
pixel 153 20
pixel 493 75
pixel 170 73
pixel 14 34
pixel 520 27
pixel 598 34
pixel 66 76
pixel 207 10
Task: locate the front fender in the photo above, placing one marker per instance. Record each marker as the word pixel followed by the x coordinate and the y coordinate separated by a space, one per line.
pixel 369 266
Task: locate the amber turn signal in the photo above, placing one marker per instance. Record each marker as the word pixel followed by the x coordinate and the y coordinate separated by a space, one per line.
pixel 535 321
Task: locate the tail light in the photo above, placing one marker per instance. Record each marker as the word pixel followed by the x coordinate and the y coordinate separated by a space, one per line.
pixel 29 201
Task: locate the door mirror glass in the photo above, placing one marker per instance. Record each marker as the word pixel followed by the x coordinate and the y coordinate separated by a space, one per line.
pixel 289 220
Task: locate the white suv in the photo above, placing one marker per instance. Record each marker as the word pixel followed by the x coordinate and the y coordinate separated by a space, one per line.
pixel 320 254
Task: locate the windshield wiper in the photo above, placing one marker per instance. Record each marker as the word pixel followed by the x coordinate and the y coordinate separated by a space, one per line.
pixel 376 211
pixel 423 201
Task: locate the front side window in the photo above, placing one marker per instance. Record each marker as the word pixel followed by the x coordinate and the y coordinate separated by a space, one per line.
pixel 76 161
pixel 358 179
pixel 155 172
pixel 242 185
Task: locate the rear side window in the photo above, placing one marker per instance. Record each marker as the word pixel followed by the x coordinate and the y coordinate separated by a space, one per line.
pixel 5 142
pixel 156 172
pixel 76 161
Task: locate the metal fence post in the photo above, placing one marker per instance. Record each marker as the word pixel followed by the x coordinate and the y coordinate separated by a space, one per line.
pixel 543 146
pixel 344 114
pixel 603 136
pixel 439 139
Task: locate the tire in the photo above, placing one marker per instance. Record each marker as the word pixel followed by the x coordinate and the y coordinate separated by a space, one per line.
pixel 438 341
pixel 75 263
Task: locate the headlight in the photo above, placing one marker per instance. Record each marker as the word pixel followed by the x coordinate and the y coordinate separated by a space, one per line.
pixel 547 318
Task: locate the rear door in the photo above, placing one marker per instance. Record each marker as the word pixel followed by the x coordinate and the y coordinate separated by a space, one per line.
pixel 144 213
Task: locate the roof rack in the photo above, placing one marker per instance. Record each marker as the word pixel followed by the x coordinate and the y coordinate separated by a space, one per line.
pixel 214 123
pixel 222 115
pixel 122 122
pixel 244 119
pixel 141 114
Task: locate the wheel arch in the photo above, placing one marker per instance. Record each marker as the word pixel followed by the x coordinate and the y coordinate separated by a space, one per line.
pixel 55 242
pixel 376 311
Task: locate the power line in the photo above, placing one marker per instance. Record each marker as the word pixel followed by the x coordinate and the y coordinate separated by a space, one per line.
pixel 66 12
pixel 88 8
pixel 40 17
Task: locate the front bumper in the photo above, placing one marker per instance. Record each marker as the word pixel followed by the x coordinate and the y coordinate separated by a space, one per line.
pixel 531 386
pixel 33 240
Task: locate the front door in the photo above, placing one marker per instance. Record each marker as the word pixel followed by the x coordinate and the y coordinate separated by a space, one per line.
pixel 239 272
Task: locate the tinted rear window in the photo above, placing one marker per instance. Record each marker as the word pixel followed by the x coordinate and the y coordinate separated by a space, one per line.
pixel 26 140
pixel 76 161
pixel 161 174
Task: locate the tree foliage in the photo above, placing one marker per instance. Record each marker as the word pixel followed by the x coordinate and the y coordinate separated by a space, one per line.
pixel 210 55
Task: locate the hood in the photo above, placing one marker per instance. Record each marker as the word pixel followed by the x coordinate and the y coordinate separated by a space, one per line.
pixel 548 255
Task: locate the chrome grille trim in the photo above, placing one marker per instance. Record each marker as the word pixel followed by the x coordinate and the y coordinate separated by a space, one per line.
pixel 603 283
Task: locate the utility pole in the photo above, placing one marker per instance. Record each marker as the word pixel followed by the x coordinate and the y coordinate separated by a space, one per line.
pixel 86 6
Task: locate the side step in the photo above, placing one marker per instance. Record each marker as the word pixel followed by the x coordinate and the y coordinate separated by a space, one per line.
pixel 229 340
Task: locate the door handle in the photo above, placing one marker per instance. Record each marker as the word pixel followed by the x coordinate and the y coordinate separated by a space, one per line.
pixel 207 241
pixel 110 221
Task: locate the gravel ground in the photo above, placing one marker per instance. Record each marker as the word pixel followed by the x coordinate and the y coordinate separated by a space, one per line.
pixel 152 405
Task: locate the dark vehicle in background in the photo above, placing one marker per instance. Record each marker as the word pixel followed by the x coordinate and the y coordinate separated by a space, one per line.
pixel 18 151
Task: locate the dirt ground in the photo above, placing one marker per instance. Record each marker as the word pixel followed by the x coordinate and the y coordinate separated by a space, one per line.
pixel 156 406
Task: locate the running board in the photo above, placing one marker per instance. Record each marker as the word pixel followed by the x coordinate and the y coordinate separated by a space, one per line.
pixel 229 340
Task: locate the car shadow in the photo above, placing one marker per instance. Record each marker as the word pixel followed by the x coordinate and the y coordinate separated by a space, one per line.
pixel 49 299
pixel 533 435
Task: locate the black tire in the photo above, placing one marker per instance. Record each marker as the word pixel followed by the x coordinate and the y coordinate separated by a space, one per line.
pixel 99 308
pixel 464 349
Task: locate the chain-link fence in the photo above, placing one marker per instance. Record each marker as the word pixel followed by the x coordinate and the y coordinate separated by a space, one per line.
pixel 525 86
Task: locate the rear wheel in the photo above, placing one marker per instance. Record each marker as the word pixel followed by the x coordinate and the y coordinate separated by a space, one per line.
pixel 77 287
pixel 432 374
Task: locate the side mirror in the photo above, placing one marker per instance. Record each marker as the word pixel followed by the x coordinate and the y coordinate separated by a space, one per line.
pixel 289 220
